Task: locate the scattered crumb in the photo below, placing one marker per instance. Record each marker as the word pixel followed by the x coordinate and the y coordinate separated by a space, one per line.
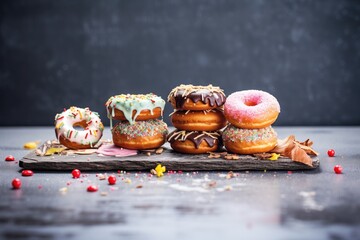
pixel 224 155
pixel 212 184
pixel 127 180
pixel 63 190
pixel 230 174
pixel 159 150
pixel 153 172
pixel 232 157
pixel 102 177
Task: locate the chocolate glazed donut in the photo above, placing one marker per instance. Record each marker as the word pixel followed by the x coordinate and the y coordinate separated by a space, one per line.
pixel 189 97
pixel 194 142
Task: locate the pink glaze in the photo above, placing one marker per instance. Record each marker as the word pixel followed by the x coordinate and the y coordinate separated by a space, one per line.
pixel 112 150
pixel 250 105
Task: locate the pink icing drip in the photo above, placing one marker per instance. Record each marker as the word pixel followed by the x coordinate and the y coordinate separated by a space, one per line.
pixel 250 104
pixel 112 150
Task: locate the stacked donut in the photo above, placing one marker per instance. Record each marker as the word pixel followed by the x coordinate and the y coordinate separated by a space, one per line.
pixel 138 127
pixel 250 114
pixel 197 118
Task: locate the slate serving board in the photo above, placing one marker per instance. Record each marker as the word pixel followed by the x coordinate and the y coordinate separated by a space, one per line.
pixel 172 160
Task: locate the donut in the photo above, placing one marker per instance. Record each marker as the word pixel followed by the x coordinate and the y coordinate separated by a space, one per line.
pixel 249 141
pixel 189 97
pixel 194 142
pixel 78 117
pixel 251 109
pixel 140 135
pixel 131 107
pixel 209 120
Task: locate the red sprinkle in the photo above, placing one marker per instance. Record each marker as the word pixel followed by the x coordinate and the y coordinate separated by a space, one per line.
pixel 27 173
pixel 16 183
pixel 112 179
pixel 331 152
pixel 86 135
pixel 60 118
pixel 76 173
pixel 92 188
pixel 9 158
pixel 338 169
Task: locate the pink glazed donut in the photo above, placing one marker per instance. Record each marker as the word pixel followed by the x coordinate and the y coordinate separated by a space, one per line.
pixel 251 109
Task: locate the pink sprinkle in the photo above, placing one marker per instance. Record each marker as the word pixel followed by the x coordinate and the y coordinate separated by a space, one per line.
pixel 40 187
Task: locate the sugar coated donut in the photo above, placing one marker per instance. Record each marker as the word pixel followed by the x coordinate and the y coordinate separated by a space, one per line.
pixel 140 135
pixel 189 97
pixel 82 117
pixel 194 142
pixel 209 120
pixel 249 141
pixel 133 107
pixel 251 109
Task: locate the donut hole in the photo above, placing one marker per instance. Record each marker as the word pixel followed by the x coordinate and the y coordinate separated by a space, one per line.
pixel 80 126
pixel 251 102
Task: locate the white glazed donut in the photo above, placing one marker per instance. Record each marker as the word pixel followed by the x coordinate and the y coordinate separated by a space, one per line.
pixel 83 117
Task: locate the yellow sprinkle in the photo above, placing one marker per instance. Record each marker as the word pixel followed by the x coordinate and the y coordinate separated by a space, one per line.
pixel 80 113
pixel 31 145
pixel 63 190
pixel 51 151
pixel 160 170
pixel 274 156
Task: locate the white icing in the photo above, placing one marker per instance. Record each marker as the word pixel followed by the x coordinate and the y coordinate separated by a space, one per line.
pixel 65 121
pixel 128 103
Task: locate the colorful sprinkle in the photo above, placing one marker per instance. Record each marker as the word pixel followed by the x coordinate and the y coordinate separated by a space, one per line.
pixel 141 128
pixel 27 173
pixel 160 170
pixel 9 158
pixel 232 133
pixel 16 183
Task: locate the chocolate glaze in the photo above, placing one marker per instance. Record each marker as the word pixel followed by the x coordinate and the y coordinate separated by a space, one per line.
pixel 192 137
pixel 203 95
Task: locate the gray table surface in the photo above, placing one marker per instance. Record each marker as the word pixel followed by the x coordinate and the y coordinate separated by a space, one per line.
pixel 316 204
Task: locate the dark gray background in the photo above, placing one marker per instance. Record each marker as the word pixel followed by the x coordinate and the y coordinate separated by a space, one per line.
pixel 55 54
